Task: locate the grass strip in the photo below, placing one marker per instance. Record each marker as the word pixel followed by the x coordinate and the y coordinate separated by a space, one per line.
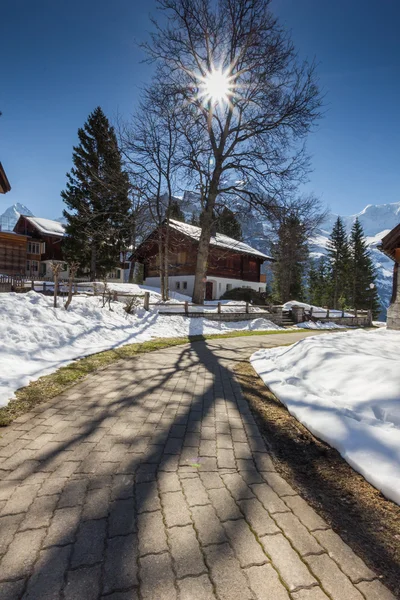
pixel 49 386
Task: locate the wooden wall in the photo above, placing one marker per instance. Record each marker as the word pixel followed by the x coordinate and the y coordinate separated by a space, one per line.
pixel 12 254
pixel 183 255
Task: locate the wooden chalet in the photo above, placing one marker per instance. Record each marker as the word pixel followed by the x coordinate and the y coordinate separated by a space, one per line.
pixel 231 263
pixel 34 244
pixel 4 183
pixel 391 247
pixel 44 240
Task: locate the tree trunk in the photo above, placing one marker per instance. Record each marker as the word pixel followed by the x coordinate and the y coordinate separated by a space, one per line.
pixel 161 258
pixel 166 259
pixel 93 258
pixel 55 288
pixel 131 271
pixel 202 252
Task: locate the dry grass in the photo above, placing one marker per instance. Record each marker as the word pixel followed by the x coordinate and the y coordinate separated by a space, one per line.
pixel 358 512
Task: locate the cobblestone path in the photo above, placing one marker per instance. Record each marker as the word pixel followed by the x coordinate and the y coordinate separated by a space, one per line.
pixel 150 480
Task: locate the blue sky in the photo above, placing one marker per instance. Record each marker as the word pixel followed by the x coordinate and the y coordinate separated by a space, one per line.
pixel 62 59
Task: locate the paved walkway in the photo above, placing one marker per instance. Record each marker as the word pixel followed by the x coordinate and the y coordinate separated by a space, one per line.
pixel 150 481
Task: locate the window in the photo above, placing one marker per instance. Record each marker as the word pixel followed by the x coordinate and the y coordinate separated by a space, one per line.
pixel 34 248
pixel 181 258
pixel 178 285
pixel 228 287
pixel 184 285
pixel 32 266
pixel 118 273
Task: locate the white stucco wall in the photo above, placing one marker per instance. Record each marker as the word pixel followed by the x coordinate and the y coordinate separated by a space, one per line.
pixel 219 284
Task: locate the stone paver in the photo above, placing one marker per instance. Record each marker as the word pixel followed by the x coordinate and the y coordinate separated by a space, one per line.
pixel 150 480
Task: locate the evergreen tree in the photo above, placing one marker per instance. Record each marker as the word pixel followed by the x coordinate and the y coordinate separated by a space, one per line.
pixel 339 258
pixel 362 272
pixel 228 224
pixel 319 282
pixel 175 211
pixel 97 196
pixel 195 220
pixel 291 256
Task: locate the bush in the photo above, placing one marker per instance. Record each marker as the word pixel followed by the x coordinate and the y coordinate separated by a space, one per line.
pixel 246 295
pixel 131 304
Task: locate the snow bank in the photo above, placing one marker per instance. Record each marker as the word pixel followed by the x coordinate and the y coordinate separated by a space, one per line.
pixel 317 310
pixel 36 339
pixel 320 325
pixel 345 389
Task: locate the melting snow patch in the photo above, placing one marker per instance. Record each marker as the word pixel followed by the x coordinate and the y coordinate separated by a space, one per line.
pixel 345 389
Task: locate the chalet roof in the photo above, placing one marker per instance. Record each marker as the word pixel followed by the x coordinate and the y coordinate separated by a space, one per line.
pixel 47 226
pixel 4 183
pixel 391 242
pixel 219 240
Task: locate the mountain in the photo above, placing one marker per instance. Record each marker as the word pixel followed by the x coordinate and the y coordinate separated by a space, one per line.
pixel 11 215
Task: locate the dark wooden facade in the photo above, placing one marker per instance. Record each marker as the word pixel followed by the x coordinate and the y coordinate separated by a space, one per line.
pixel 41 247
pixel 13 253
pixel 391 247
pixel 4 183
pixel 182 256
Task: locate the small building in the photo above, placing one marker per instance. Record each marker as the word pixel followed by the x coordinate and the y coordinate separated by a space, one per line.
pixel 231 264
pixel 4 183
pixel 43 246
pixel 391 247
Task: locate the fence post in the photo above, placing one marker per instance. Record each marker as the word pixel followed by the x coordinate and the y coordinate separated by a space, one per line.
pixel 186 307
pixel 342 312
pixel 44 287
pixel 311 309
pixel 32 284
pixel 327 313
pixel 247 307
pixel 146 302
pixel 219 308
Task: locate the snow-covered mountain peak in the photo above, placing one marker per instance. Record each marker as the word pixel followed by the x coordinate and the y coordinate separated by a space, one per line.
pixel 11 215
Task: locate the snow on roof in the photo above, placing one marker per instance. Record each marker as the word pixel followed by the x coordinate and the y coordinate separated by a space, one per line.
pixel 220 240
pixel 47 226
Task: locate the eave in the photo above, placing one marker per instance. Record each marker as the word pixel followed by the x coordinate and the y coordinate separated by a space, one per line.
pixel 4 183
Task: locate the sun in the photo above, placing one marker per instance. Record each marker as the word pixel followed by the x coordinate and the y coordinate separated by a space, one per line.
pixel 216 86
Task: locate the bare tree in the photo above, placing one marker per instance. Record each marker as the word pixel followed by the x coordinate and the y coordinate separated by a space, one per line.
pixel 73 269
pixel 245 102
pixel 151 148
pixel 56 268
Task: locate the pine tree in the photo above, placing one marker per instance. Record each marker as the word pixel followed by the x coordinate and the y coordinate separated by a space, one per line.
pixel 97 196
pixel 175 211
pixel 339 258
pixel 362 272
pixel 291 256
pixel 319 282
pixel 228 224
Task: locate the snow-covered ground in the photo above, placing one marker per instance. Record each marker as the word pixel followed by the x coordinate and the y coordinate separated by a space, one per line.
pixel 36 339
pixel 345 389
pixel 317 311
pixel 320 325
